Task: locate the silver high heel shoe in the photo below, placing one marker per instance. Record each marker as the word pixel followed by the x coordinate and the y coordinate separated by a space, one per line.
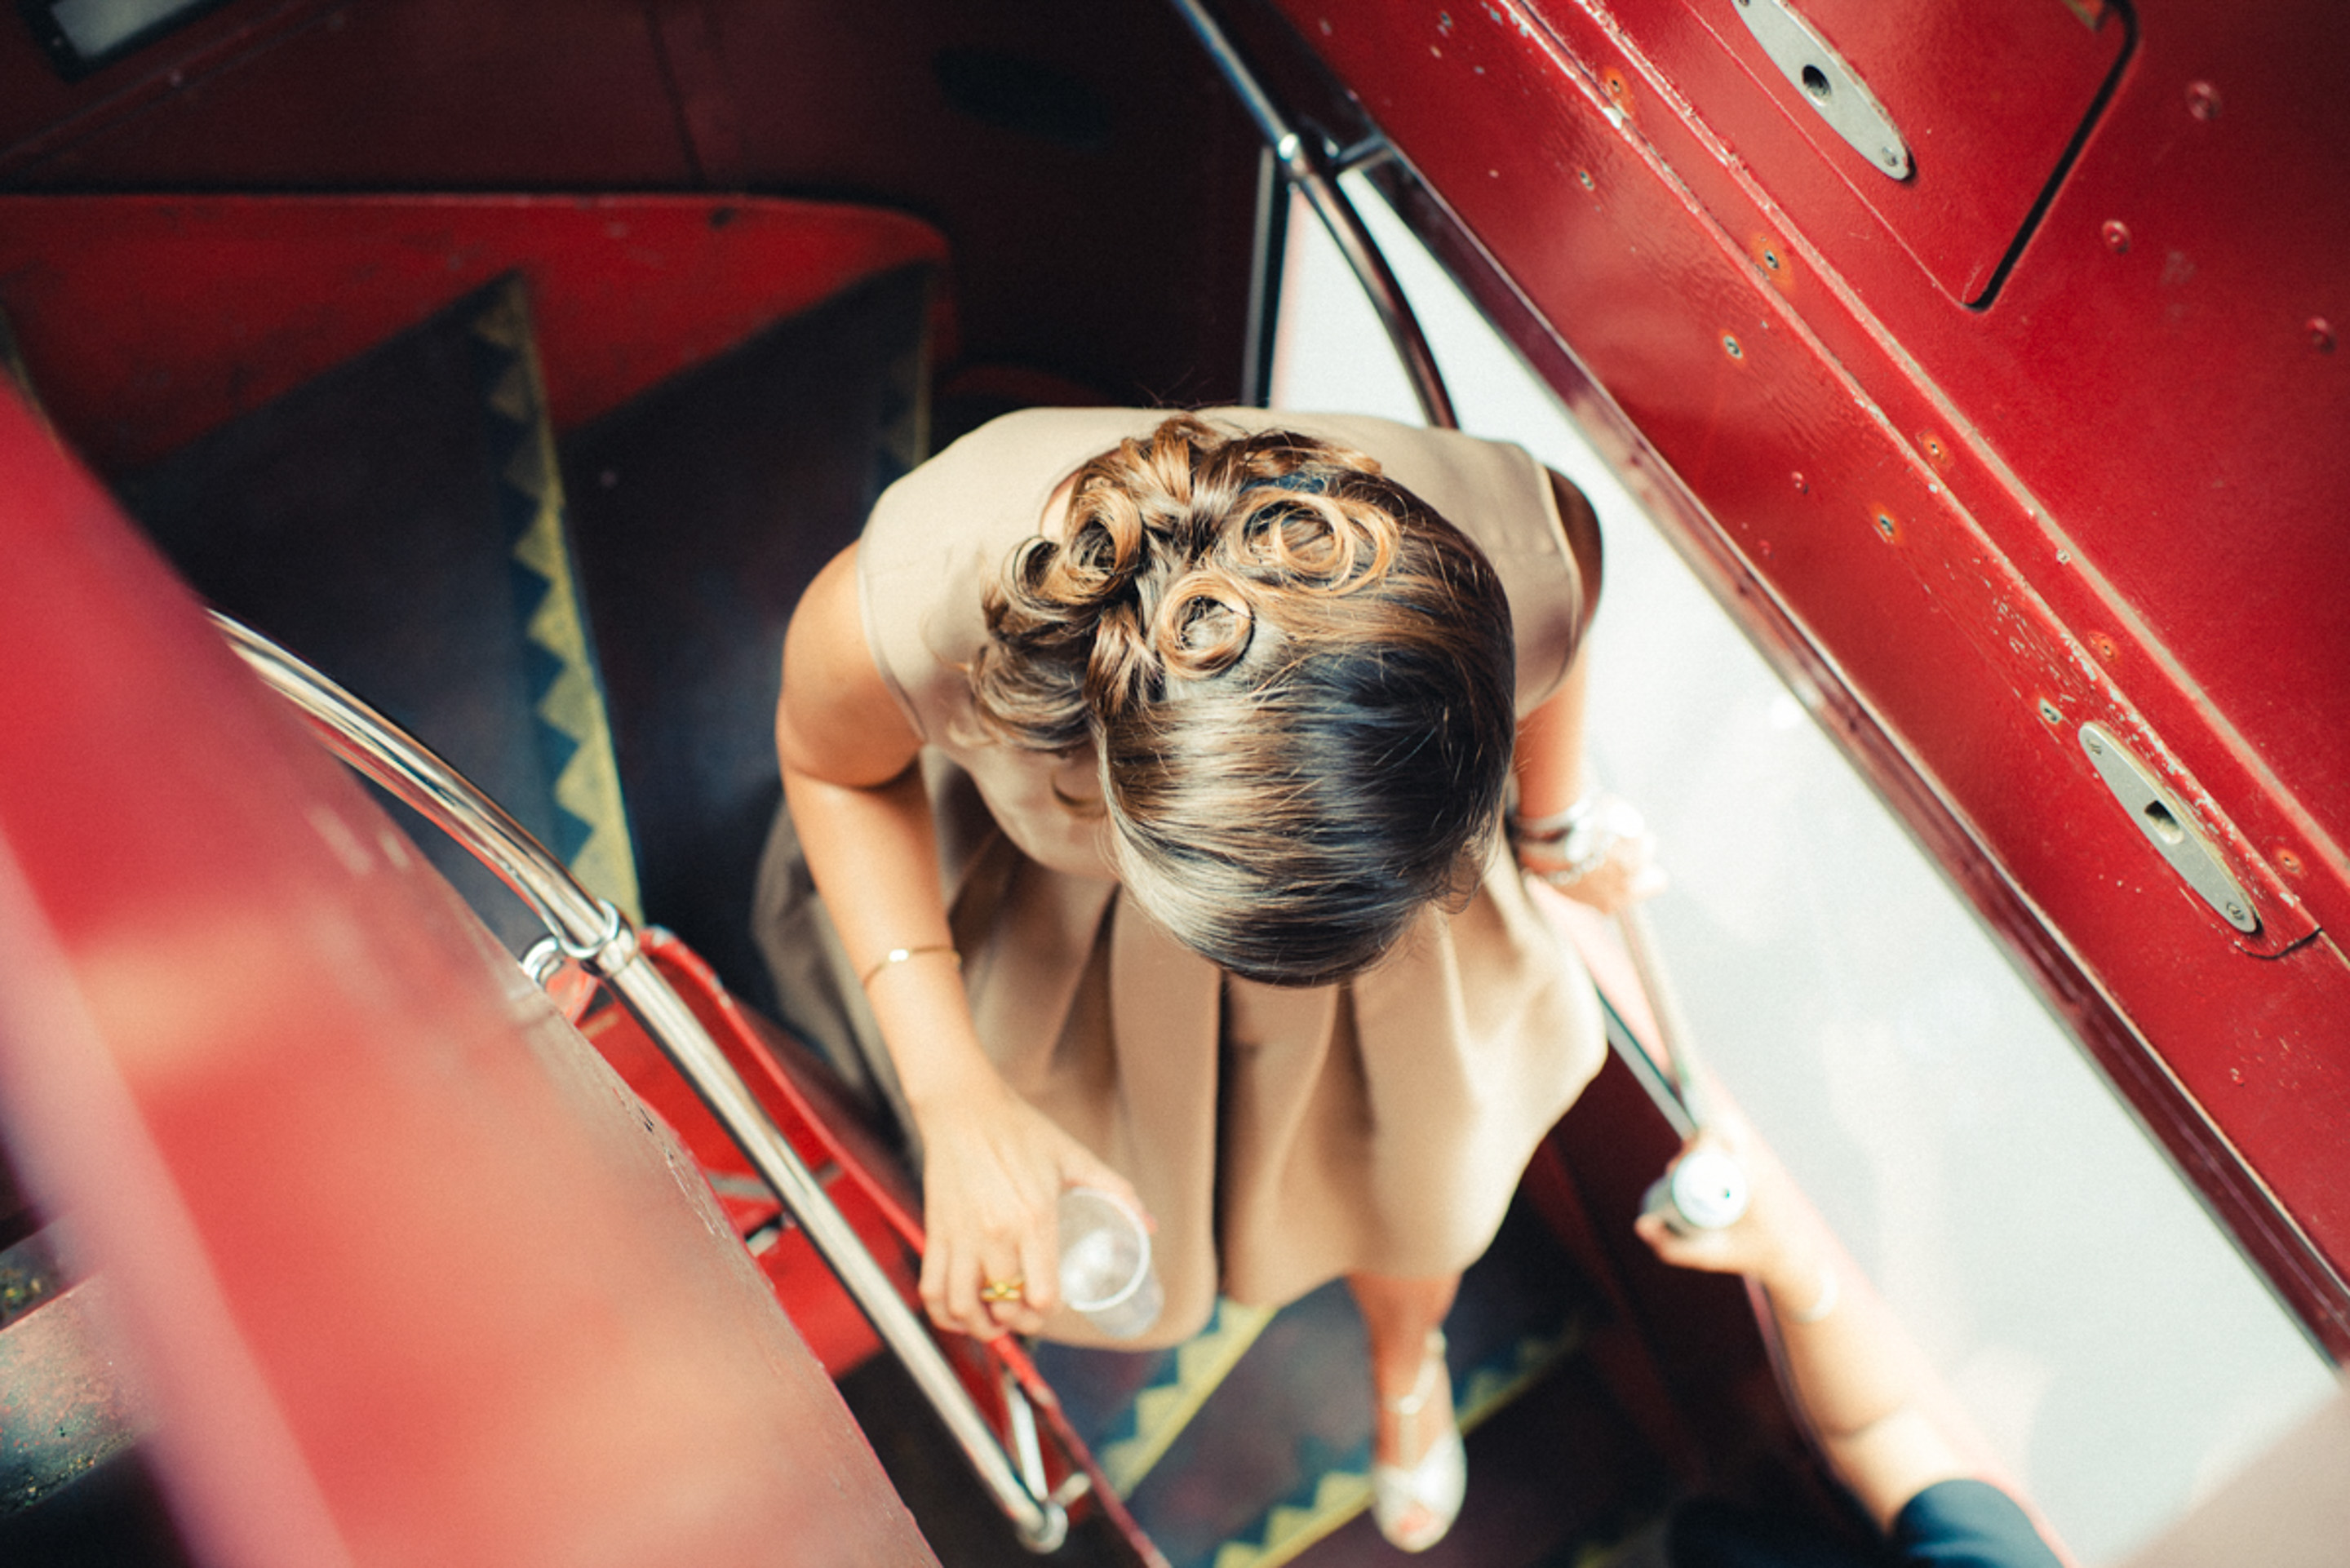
pixel 1414 1505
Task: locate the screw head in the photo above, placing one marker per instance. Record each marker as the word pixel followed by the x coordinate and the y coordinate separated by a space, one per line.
pixel 2288 862
pixel 2321 334
pixel 1885 526
pixel 1582 177
pixel 1803 485
pixel 2050 712
pixel 1729 346
pixel 2235 911
pixel 2116 235
pixel 2203 101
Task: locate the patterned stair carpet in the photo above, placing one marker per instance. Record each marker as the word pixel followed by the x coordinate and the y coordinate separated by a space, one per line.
pixel 701 508
pixel 400 523
pixel 1248 1445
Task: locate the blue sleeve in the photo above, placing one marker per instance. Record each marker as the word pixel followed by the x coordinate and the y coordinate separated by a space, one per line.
pixel 1968 1524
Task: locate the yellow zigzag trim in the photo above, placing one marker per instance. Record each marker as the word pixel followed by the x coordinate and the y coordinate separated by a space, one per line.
pixel 589 785
pixel 1341 1494
pixel 1162 1410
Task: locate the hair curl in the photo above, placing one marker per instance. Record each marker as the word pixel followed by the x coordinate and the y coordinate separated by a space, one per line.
pixel 1298 680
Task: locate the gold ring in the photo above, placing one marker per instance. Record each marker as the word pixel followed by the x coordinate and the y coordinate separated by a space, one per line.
pixel 1009 1290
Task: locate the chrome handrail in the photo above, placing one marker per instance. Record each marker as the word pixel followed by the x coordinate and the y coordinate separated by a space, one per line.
pixel 600 938
pixel 1311 169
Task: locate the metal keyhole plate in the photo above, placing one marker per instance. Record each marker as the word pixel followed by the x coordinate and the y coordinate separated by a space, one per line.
pixel 1829 85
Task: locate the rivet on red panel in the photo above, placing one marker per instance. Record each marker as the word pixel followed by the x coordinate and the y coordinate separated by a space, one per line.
pixel 1731 345
pixel 2050 713
pixel 1618 89
pixel 1936 451
pixel 2118 235
pixel 2203 101
pixel 2287 861
pixel 2102 646
pixel 1803 485
pixel 1770 254
pixel 1888 524
pixel 2321 334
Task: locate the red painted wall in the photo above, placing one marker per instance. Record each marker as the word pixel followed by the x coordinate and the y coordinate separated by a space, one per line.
pixel 407 1273
pixel 1090 172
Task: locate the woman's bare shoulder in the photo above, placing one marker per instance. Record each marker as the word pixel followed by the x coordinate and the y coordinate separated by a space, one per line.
pixel 837 719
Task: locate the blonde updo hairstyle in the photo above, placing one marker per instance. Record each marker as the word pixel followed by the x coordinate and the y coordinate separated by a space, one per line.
pixel 1297 679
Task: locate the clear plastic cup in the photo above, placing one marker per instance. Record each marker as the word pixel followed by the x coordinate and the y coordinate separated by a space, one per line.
pixel 1106 1272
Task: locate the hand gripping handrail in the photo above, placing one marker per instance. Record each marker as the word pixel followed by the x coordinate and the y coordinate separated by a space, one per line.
pixel 597 937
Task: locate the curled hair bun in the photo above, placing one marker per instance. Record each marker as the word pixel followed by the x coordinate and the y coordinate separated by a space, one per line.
pixel 1296 677
pixel 1173 548
pixel 1204 625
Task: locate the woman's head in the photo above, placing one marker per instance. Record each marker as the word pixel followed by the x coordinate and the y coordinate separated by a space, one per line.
pixel 1298 679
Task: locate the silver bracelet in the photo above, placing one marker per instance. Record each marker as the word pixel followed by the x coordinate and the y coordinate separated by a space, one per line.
pixel 1593 828
pixel 1554 827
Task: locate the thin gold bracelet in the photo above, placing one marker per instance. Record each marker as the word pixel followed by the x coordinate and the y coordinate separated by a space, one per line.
pixel 899 955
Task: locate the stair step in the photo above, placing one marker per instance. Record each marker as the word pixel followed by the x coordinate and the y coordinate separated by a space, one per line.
pixel 700 509
pixel 399 522
pixel 1248 1444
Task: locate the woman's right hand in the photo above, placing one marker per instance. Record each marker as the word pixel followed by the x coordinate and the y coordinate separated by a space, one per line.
pixel 994 1171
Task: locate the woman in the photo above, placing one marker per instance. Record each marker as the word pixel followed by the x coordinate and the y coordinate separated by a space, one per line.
pixel 1149 770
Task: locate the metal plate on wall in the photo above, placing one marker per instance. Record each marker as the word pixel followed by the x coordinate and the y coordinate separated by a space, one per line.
pixel 1990 99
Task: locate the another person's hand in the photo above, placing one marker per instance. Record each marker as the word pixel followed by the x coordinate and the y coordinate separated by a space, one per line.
pixel 1776 1240
pixel 994 1171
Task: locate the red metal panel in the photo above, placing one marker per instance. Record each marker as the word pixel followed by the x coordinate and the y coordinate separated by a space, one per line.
pixel 519 93
pixel 404 1268
pixel 1968 516
pixel 146 321
pixel 1989 96
pixel 1085 121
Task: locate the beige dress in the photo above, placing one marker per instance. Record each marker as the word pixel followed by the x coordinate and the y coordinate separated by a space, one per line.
pixel 1280 1137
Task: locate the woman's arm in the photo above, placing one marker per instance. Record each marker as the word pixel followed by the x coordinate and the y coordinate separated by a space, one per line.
pixel 1549 771
pixel 993 1166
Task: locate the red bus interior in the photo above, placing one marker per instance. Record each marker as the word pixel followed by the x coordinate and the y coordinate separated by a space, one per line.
pixel 517 365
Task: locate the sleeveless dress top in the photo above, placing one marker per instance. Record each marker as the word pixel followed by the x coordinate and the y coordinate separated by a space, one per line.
pixel 1280 1137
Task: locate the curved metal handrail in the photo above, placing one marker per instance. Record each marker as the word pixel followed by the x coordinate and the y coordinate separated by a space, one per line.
pixel 597 937
pixel 1313 170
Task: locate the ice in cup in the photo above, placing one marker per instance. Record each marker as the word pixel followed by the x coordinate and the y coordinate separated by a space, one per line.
pixel 1106 1272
